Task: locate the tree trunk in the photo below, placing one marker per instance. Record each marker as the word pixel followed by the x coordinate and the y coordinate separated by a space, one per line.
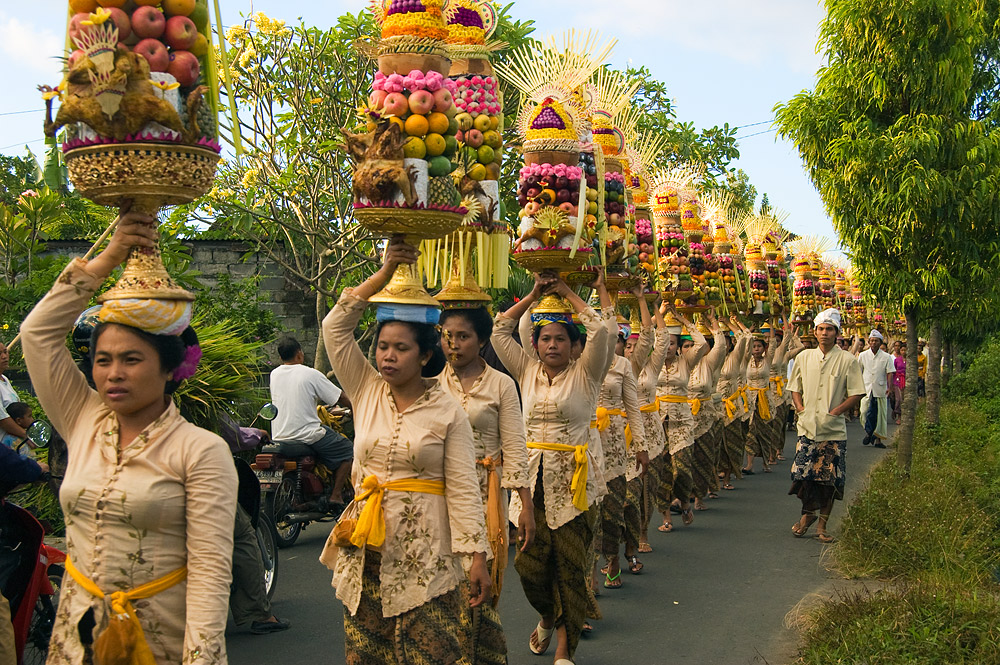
pixel 904 436
pixel 321 361
pixel 933 381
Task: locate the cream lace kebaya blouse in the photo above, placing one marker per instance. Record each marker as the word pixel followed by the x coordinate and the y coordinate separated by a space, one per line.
pixel 431 440
pixel 136 513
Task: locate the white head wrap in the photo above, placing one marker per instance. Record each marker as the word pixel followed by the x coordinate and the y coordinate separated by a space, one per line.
pixel 829 317
pixel 876 334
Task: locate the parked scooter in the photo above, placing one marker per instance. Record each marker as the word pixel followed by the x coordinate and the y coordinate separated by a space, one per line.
pixel 296 486
pixel 241 439
pixel 30 571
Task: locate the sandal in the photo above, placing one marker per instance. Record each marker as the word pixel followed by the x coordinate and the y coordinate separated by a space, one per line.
pixel 645 548
pixel 727 486
pixel 825 538
pixel 666 527
pixel 748 472
pixel 688 516
pixel 587 627
pixel 634 565
pixel 713 495
pixel 540 638
pixel 613 582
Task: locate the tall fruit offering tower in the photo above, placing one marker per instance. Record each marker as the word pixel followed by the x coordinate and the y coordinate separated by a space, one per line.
pixel 137 110
pixel 402 177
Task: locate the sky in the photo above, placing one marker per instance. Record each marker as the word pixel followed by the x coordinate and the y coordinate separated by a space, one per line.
pixel 731 63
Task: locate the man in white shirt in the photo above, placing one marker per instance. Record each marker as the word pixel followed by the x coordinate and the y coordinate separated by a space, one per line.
pixel 879 372
pixel 7 396
pixel 296 390
pixel 826 384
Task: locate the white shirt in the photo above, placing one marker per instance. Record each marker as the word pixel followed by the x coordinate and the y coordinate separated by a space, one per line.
pixel 296 390
pixel 7 395
pixel 876 368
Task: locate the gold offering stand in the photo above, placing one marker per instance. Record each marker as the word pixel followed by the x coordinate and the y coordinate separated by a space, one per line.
pixel 151 176
pixel 416 224
pixel 462 291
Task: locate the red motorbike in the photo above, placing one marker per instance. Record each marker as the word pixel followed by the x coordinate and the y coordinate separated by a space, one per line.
pixel 30 572
pixel 295 485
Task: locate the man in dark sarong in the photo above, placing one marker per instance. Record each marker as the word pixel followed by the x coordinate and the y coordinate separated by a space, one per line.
pixel 826 384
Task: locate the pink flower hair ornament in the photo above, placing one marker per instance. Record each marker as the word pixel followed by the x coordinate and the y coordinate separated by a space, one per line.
pixel 188 367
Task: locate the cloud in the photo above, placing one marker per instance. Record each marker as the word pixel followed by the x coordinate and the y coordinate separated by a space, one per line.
pixel 751 33
pixel 29 47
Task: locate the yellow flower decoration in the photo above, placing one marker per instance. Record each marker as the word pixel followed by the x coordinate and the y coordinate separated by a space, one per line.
pixel 162 85
pixel 98 17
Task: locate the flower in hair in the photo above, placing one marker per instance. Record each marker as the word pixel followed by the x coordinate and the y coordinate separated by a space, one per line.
pixel 187 368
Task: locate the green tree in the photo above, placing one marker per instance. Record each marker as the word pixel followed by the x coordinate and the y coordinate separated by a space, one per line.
pixel 898 136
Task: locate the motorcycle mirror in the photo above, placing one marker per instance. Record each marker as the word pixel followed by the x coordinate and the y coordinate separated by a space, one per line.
pixel 40 433
pixel 268 411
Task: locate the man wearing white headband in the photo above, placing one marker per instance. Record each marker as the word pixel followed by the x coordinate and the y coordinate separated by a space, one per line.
pixel 826 384
pixel 879 372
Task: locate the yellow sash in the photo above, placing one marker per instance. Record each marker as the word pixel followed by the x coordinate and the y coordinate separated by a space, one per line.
pixel 651 408
pixel 730 403
pixel 763 406
pixel 746 399
pixel 579 484
pixel 779 385
pixel 604 417
pixel 123 642
pixel 496 525
pixel 370 528
pixel 677 399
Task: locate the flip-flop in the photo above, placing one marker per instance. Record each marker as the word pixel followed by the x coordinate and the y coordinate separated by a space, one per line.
pixel 635 566
pixel 645 548
pixel 748 472
pixel 688 516
pixel 540 637
pixel 613 582
pixel 825 538
pixel 727 486
pixel 585 629
pixel 666 527
pixel 799 533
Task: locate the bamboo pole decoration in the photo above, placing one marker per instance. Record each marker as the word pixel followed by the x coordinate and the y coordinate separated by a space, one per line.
pixel 237 143
pixel 86 257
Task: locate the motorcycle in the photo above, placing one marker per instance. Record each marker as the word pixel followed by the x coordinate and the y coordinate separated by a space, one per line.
pixel 296 485
pixel 30 571
pixel 242 439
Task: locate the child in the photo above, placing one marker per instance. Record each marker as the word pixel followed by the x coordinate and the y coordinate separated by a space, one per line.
pixel 22 415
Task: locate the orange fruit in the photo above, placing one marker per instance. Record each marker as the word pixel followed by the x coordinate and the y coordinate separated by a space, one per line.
pixel 83 6
pixel 494 121
pixel 435 144
pixel 438 123
pixel 416 125
pixel 111 3
pixel 398 121
pixel 414 148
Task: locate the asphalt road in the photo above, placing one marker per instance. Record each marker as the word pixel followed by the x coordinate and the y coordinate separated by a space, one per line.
pixel 715 592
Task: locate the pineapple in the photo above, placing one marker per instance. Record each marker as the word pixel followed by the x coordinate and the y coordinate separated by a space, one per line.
pixel 442 191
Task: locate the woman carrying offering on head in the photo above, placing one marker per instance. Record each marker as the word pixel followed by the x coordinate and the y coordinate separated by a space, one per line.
pixel 490 399
pixel 708 422
pixel 397 552
pixel 758 383
pixel 679 412
pixel 149 499
pixel 559 399
pixel 733 370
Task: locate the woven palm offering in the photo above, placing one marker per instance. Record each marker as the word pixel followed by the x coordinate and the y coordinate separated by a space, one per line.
pixel 403 163
pixel 136 115
pixel 557 228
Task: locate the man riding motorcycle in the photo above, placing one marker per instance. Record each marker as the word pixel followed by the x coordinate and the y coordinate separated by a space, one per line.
pixel 296 390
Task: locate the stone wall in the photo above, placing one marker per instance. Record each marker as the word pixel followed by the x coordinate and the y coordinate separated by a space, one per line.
pixel 294 306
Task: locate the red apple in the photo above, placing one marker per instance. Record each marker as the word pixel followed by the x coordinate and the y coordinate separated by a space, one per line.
pixel 74 57
pixel 155 53
pixel 474 138
pixel 377 98
pixel 395 104
pixel 421 102
pixel 442 100
pixel 180 33
pixel 74 25
pixel 148 22
pixel 121 20
pixel 184 67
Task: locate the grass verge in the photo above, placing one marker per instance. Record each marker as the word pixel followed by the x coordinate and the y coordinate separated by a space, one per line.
pixel 935 538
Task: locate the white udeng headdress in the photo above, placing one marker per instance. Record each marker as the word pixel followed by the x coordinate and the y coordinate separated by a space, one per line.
pixel 828 316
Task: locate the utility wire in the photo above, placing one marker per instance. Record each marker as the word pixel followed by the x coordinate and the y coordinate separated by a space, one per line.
pixel 766 131
pixel 22 112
